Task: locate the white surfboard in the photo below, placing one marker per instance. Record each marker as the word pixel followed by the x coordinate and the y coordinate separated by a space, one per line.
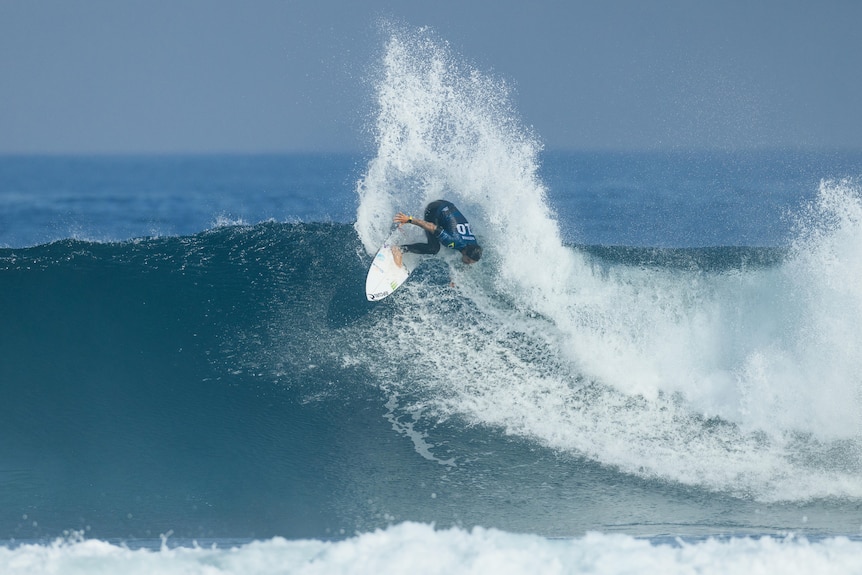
pixel 384 275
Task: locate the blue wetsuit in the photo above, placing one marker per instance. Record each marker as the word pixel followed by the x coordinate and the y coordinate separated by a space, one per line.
pixel 453 229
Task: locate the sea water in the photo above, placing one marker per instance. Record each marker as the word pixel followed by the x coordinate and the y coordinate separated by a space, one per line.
pixel 655 367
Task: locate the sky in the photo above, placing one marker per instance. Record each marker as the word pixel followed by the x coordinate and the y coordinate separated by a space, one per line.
pixel 261 76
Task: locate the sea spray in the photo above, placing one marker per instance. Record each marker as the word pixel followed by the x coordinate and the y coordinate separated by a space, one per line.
pixel 825 269
pixel 687 375
pixel 445 130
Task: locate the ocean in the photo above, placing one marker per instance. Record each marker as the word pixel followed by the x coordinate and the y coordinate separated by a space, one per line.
pixel 656 366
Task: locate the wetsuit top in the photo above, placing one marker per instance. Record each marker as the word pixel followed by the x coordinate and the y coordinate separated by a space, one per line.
pixel 453 229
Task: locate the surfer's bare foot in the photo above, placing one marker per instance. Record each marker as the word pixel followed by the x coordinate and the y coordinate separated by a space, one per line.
pixel 396 255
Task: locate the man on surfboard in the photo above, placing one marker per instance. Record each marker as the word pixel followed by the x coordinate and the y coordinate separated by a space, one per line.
pixel 443 224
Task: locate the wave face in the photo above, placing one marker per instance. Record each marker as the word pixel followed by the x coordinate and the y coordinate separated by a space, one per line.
pixel 127 407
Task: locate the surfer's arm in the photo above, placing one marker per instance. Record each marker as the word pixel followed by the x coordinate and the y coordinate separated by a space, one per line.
pixel 405 219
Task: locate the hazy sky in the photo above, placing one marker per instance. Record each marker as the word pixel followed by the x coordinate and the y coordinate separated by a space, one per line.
pixel 161 76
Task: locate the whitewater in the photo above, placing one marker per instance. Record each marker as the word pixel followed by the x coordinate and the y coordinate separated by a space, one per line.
pixel 616 387
pixel 710 377
pixel 420 549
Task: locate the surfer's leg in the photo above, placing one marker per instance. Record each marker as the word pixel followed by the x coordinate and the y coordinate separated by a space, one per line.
pixel 431 248
pixel 433 244
pixel 397 256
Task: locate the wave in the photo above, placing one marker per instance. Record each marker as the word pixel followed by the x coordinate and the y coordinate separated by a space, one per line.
pixel 223 384
pixel 135 369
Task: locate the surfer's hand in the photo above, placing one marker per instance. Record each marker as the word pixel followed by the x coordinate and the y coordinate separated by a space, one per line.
pixel 402 218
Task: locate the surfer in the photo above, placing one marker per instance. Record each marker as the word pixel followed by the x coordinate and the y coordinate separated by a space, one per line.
pixel 443 224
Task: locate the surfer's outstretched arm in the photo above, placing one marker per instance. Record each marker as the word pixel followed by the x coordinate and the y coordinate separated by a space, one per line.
pixel 432 246
pixel 405 219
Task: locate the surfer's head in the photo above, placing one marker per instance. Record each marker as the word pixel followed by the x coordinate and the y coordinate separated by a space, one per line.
pixel 471 254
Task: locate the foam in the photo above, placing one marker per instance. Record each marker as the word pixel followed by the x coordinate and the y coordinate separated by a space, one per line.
pixel 419 548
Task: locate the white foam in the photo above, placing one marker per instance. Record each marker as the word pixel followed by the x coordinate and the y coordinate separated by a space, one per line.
pixel 420 549
pixel 745 381
pixel 226 221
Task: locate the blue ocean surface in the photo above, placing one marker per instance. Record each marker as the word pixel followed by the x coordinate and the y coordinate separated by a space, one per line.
pixel 657 361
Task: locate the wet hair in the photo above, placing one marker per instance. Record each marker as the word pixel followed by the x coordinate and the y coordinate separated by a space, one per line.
pixel 474 252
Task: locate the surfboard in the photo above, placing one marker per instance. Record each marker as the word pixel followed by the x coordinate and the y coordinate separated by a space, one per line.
pixel 385 276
